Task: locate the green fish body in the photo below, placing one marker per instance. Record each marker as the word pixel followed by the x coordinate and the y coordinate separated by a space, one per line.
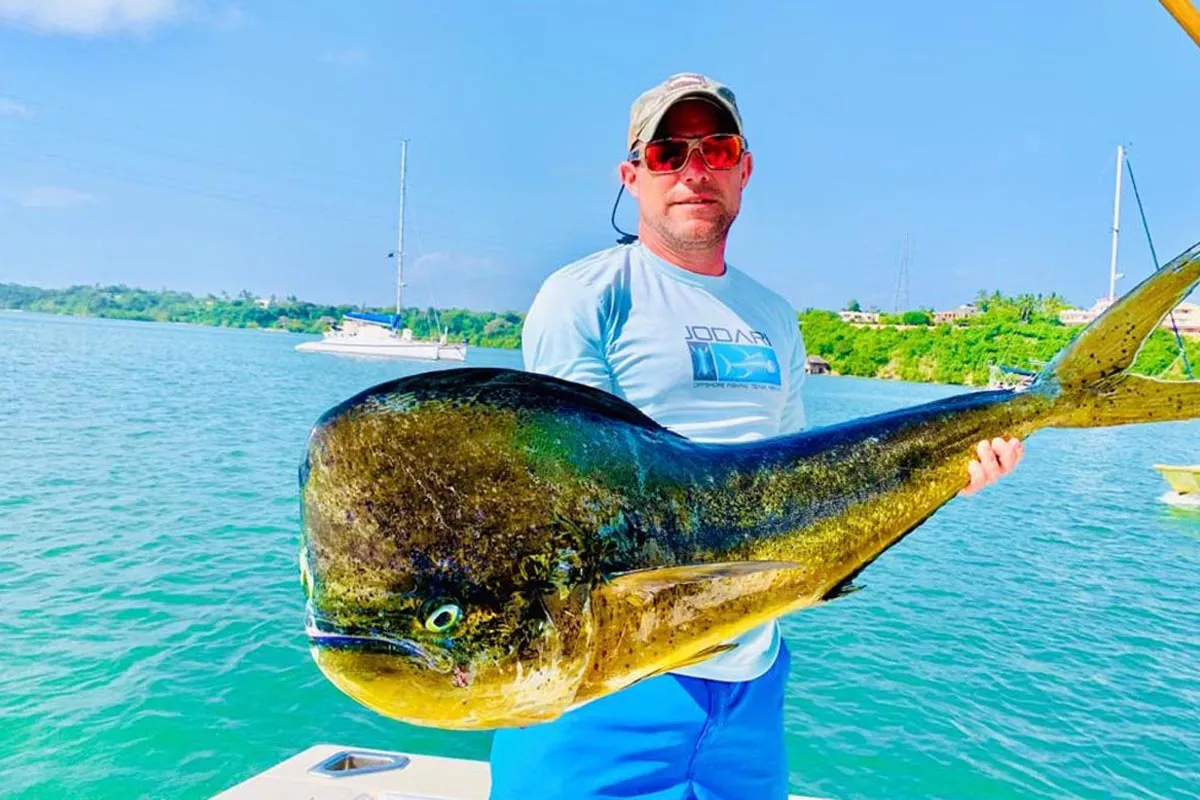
pixel 484 548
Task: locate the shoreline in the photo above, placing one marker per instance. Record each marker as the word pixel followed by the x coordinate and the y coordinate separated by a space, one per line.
pixel 946 354
pixel 280 330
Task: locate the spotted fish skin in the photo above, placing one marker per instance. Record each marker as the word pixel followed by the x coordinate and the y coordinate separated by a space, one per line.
pixel 583 547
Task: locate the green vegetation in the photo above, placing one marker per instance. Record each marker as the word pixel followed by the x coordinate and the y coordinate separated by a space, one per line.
pixel 482 329
pixel 921 317
pixel 1021 331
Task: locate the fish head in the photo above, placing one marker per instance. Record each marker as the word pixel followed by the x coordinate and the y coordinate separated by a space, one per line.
pixel 437 649
pixel 437 613
pixel 449 543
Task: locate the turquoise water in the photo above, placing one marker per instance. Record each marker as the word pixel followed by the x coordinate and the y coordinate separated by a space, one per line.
pixel 1040 639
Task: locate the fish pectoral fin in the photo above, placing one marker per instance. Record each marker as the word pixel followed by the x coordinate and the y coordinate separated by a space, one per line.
pixel 653 621
pixel 703 655
pixel 653 585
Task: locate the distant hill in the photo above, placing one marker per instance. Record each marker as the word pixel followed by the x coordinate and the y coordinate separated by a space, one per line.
pixel 483 329
pixel 1023 331
pixel 1017 332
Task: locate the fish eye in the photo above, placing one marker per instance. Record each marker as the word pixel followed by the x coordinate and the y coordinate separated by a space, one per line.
pixel 443 618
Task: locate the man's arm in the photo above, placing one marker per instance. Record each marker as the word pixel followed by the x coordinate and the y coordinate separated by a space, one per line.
pixel 563 333
pixel 996 458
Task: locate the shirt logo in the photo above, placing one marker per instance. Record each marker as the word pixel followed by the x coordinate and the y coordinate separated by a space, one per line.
pixel 732 356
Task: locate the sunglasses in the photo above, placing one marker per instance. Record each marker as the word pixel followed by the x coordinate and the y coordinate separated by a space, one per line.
pixel 720 151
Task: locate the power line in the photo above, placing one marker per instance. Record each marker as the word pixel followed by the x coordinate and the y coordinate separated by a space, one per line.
pixel 900 302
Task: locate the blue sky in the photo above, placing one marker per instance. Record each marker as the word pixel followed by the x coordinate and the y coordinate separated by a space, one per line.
pixel 207 145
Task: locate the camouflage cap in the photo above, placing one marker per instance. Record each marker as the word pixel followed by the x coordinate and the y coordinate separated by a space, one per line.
pixel 650 107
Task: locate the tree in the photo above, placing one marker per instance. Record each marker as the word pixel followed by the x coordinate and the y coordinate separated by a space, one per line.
pixel 1054 305
pixel 853 306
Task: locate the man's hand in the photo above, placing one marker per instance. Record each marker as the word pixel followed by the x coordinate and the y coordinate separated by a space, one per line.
pixel 996 458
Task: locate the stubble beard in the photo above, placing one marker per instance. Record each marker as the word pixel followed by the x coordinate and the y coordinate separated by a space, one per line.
pixel 683 237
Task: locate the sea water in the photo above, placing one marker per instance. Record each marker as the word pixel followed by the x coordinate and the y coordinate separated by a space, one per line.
pixel 1041 639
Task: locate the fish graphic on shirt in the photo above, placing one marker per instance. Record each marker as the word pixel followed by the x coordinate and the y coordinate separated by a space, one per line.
pixel 748 365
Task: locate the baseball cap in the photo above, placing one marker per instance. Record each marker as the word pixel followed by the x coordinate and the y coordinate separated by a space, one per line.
pixel 652 105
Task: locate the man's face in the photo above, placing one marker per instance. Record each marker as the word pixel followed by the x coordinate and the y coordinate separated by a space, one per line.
pixel 693 208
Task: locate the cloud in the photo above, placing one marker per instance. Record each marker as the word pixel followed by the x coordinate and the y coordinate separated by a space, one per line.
pixel 351 57
pixel 52 197
pixel 89 17
pixel 11 108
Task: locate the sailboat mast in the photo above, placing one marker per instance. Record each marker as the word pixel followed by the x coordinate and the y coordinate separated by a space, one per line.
pixel 400 234
pixel 1112 269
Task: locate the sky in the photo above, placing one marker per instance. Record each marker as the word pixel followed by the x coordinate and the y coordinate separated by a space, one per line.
pixel 222 145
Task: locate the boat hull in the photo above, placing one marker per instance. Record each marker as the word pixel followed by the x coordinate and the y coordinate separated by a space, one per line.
pixel 421 351
pixel 1182 479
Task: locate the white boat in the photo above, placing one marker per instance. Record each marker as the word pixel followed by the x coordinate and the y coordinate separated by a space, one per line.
pixel 376 335
pixel 379 335
pixel 333 772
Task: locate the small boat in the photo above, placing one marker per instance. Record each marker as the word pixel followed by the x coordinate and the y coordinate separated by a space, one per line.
pixel 1003 376
pixel 1184 480
pixel 381 335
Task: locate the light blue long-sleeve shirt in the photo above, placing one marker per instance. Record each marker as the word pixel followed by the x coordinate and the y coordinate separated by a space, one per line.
pixel 713 358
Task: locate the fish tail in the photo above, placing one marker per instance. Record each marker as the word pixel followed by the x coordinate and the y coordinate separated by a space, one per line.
pixel 1090 378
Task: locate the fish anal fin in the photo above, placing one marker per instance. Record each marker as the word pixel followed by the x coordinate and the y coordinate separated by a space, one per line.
pixel 703 655
pixel 1133 399
pixel 846 587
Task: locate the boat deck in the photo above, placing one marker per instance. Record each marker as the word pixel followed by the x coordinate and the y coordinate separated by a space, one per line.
pixel 334 772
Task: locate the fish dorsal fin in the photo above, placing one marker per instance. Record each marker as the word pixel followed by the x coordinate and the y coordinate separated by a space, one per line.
pixel 500 387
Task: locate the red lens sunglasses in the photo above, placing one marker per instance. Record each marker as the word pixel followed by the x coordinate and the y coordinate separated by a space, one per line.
pixel 720 151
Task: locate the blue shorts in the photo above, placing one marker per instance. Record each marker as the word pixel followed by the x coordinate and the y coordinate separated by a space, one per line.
pixel 671 737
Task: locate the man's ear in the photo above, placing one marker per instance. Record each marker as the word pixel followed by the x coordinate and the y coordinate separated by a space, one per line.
pixel 628 175
pixel 747 168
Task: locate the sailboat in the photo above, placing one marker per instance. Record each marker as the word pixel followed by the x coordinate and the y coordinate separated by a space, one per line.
pixel 1183 479
pixel 380 335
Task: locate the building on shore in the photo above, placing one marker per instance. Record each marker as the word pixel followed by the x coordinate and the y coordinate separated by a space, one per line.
pixel 859 317
pixel 1187 316
pixel 965 311
pixel 1082 316
pixel 1187 319
pixel 815 365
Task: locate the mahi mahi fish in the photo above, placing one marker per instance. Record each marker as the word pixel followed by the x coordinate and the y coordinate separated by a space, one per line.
pixel 485 548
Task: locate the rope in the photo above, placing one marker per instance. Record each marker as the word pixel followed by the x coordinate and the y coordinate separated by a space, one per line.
pixel 437 322
pixel 1187 368
pixel 626 238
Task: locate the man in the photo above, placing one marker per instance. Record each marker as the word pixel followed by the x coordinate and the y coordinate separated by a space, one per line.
pixel 710 353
